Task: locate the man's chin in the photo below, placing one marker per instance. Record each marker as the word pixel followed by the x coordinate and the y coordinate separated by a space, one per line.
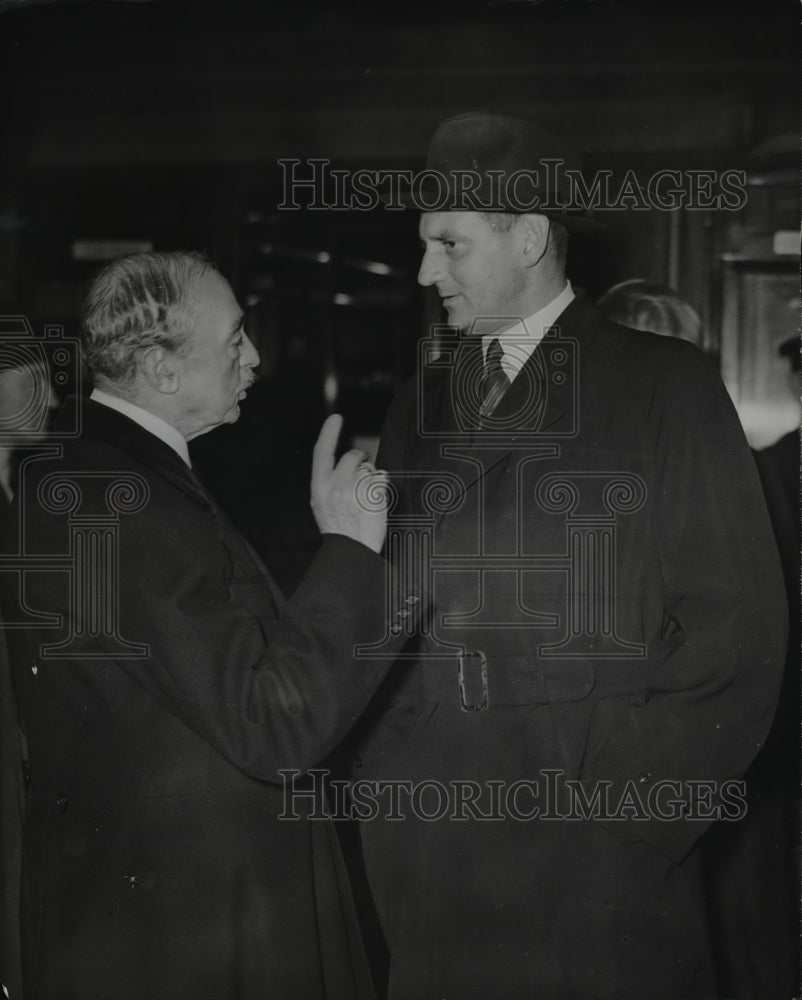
pixel 456 316
pixel 480 326
pixel 234 413
pixel 465 324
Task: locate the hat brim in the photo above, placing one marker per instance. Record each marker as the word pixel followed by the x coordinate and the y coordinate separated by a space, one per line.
pixel 574 220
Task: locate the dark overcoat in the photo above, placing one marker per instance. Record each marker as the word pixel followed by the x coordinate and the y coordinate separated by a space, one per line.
pixel 608 611
pixel 12 798
pixel 167 685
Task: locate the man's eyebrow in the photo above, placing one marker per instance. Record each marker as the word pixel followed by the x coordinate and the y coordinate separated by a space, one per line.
pixel 440 237
pixel 235 329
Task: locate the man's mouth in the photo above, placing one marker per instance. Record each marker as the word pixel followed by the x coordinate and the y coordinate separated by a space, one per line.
pixel 245 387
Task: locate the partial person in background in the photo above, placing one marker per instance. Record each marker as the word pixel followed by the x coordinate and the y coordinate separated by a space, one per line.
pixel 750 865
pixel 26 400
pixel 779 470
pixel 647 305
pixel 754 864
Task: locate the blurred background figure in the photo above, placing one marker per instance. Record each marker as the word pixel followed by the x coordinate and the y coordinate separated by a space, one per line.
pixel 759 859
pixel 752 870
pixel 647 305
pixel 753 865
pixel 779 470
pixel 26 401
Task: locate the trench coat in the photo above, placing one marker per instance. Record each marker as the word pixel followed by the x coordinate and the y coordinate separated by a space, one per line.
pixel 608 620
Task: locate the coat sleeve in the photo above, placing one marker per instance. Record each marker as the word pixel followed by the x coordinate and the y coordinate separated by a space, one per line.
pixel 394 452
pixel 712 699
pixel 267 690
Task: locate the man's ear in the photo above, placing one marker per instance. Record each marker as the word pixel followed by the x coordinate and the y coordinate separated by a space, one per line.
pixel 159 370
pixel 535 232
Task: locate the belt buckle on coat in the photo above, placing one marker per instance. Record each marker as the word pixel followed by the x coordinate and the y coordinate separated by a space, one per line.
pixel 472 674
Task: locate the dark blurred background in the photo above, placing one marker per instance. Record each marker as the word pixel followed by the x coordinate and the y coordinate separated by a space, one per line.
pixel 159 124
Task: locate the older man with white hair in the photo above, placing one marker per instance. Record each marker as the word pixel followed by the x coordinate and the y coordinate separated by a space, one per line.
pixel 169 683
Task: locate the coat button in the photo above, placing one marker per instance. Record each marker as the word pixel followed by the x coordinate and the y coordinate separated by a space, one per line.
pixel 359 762
pixel 403 613
pixel 62 801
pixel 412 599
pixel 644 777
pixel 395 629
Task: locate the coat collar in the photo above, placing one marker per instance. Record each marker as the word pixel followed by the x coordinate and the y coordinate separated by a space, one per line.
pixel 540 407
pixel 539 401
pixel 110 427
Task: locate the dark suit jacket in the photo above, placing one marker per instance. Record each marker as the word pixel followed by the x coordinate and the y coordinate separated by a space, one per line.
pixel 642 642
pixel 156 863
pixel 11 808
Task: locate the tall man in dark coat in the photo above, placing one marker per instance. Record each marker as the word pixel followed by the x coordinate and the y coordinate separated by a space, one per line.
pixel 603 658
pixel 168 683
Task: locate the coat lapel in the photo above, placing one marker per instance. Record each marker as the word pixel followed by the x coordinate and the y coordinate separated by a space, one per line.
pixel 101 423
pixel 542 401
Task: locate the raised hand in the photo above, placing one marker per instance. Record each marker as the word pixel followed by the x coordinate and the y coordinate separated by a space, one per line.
pixel 349 498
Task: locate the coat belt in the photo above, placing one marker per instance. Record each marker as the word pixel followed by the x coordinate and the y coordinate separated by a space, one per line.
pixel 478 679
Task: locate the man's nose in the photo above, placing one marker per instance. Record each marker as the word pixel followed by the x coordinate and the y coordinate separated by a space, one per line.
pixel 250 356
pixel 431 269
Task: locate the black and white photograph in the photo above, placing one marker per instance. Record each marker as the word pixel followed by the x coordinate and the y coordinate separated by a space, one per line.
pixel 400 500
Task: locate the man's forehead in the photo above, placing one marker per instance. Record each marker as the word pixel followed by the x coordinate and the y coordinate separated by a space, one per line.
pixel 216 313
pixel 437 224
pixel 212 282
pixel 213 286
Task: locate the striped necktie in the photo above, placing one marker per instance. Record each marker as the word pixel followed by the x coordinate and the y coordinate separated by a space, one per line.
pixel 494 381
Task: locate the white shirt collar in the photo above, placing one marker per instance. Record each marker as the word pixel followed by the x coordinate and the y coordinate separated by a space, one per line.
pixel 147 420
pixel 520 340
